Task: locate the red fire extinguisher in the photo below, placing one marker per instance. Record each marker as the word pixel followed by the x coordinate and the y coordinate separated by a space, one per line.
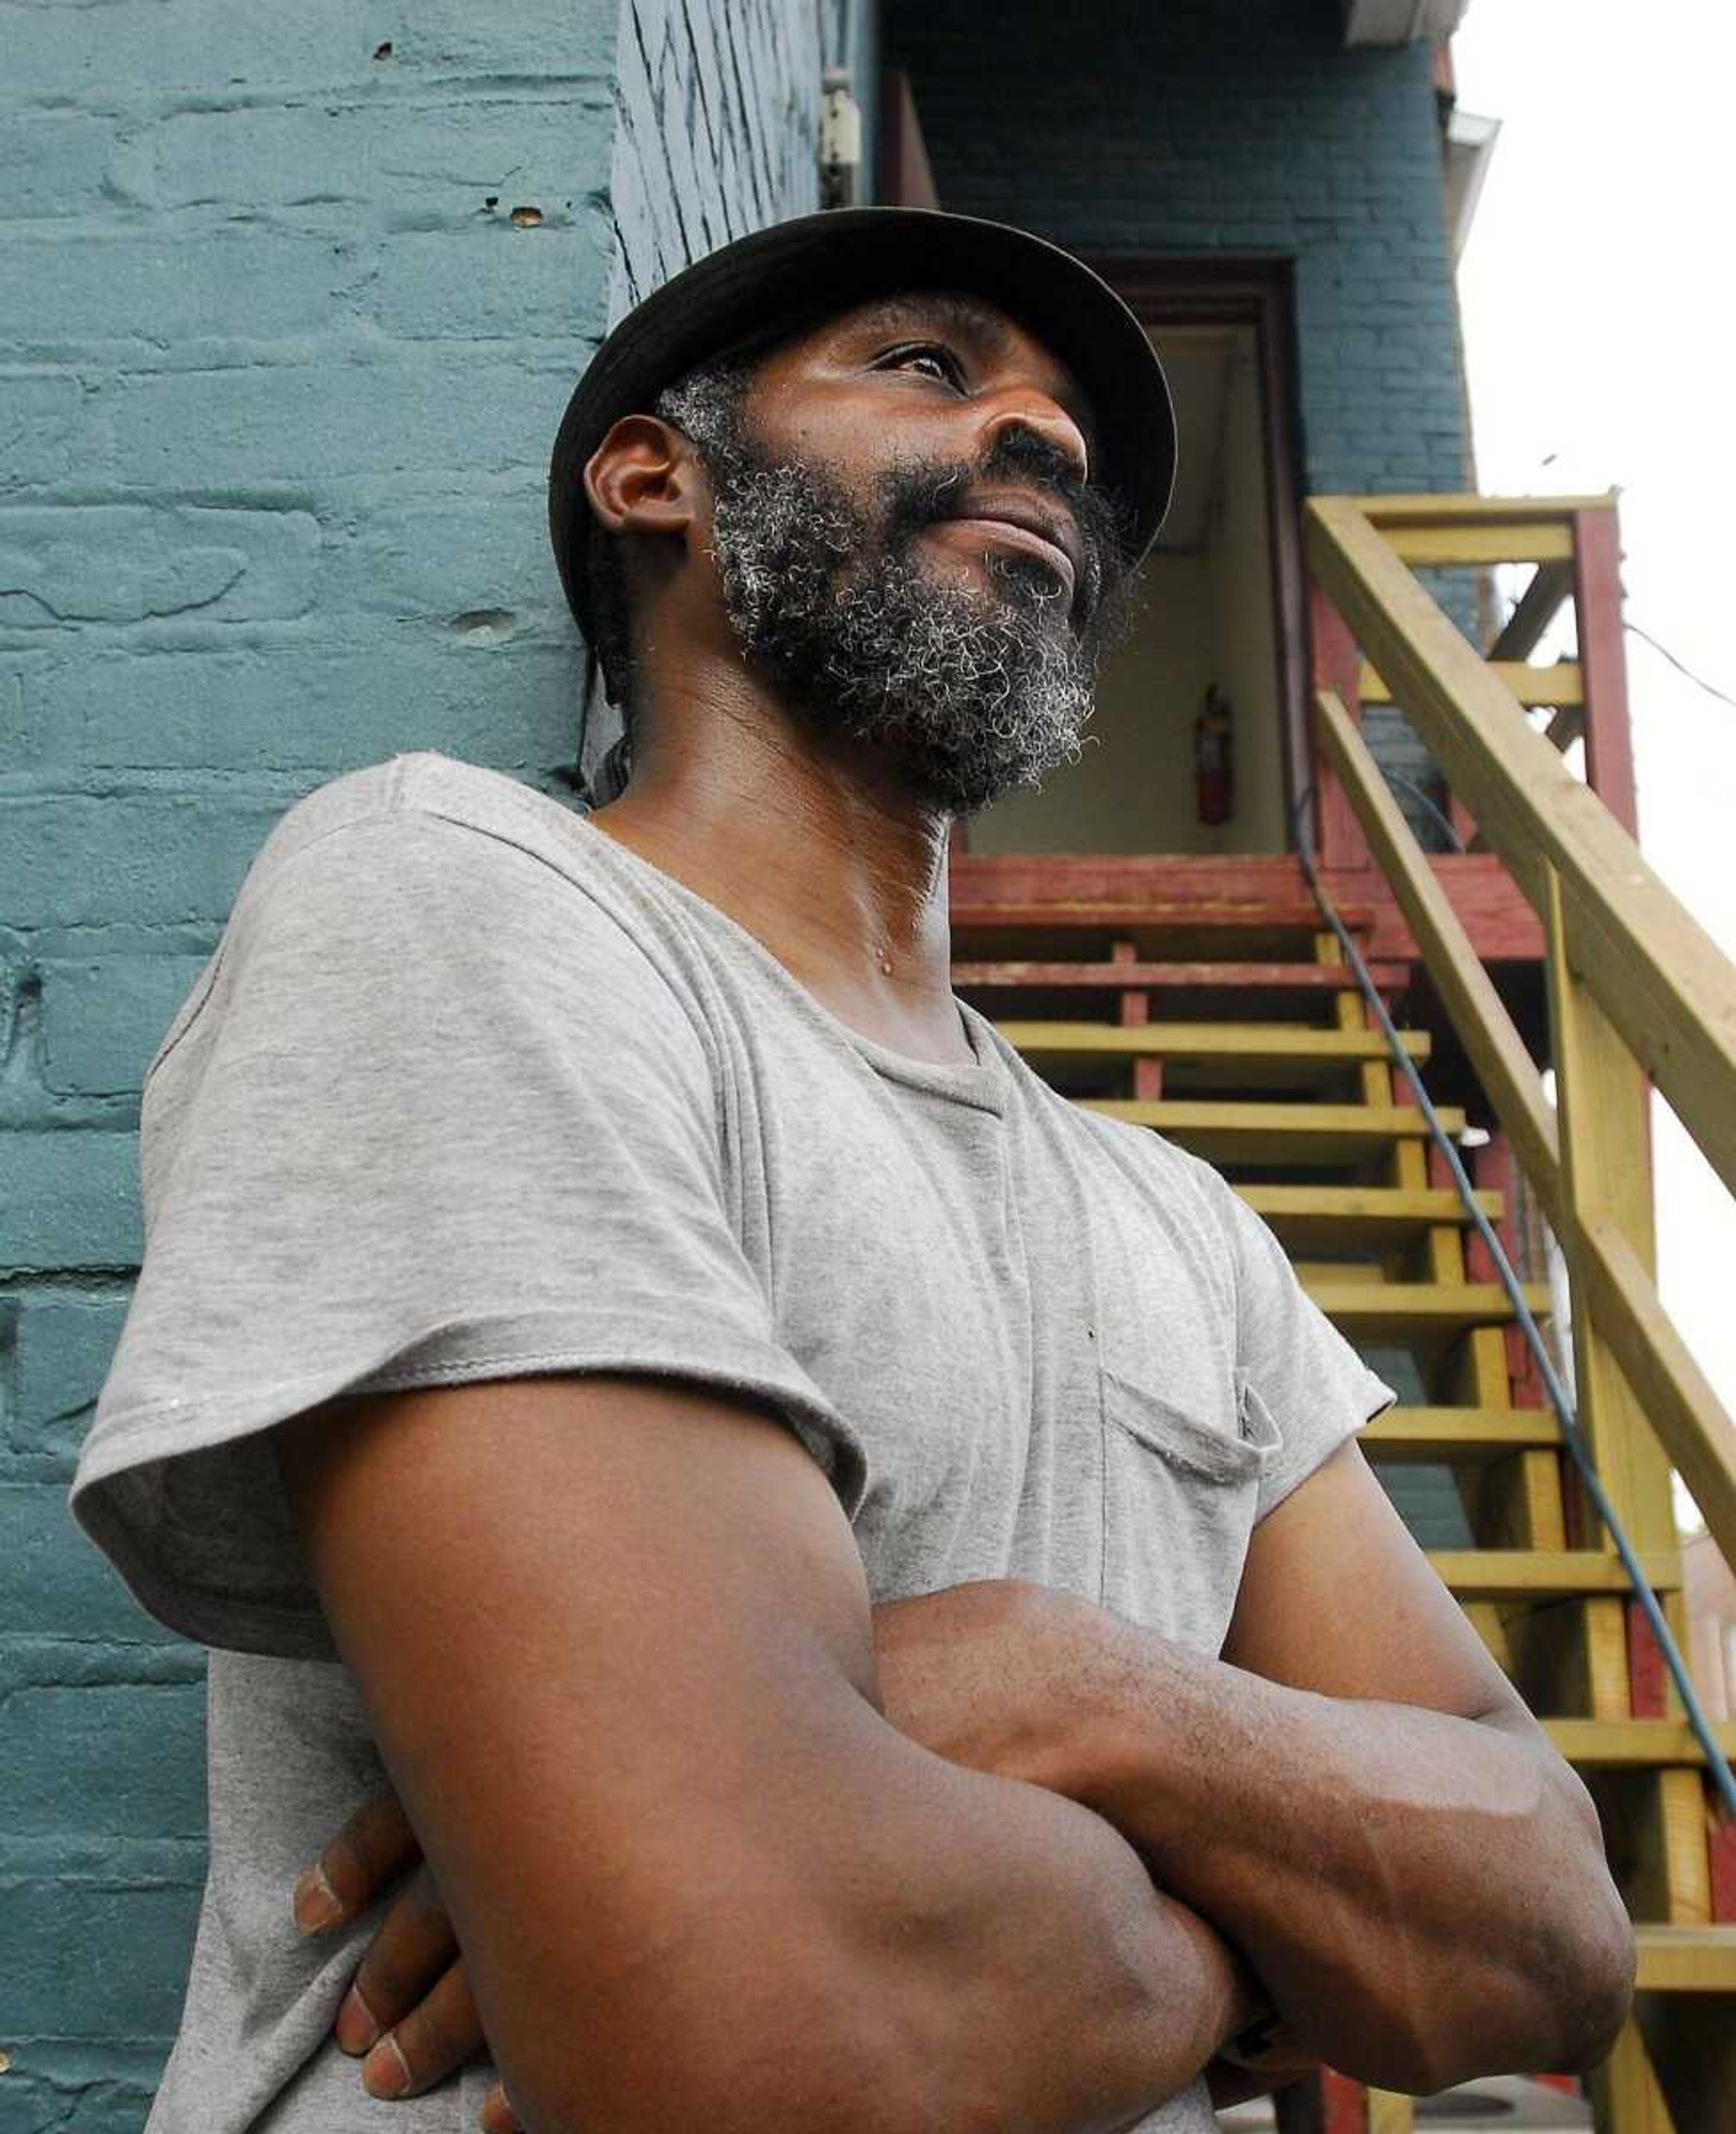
pixel 1214 758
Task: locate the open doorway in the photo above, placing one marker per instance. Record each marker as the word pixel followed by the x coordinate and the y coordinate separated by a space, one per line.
pixel 1217 608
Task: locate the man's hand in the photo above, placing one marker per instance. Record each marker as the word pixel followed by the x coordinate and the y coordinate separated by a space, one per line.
pixel 409 2007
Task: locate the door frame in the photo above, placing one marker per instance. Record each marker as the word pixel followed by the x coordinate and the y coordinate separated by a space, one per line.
pixel 1256 290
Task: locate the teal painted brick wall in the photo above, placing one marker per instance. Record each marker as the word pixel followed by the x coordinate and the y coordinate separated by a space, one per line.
pixel 1199 127
pixel 279 373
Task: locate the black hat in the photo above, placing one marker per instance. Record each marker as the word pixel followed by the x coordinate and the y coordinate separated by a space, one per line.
pixel 821 263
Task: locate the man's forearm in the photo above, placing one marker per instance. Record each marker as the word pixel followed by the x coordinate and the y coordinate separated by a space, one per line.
pixel 1055 1986
pixel 1425 1897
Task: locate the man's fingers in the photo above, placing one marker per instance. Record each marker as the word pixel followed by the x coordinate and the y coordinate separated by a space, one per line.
pixel 432 2040
pixel 498 2116
pixel 374 1846
pixel 412 1946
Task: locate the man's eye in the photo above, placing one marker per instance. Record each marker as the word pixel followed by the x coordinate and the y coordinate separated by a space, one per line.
pixel 940 362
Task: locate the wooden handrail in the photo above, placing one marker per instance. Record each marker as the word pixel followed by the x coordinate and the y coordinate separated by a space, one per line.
pixel 1653 968
pixel 1613 1281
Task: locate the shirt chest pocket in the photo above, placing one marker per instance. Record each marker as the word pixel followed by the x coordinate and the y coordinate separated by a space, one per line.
pixel 1181 1486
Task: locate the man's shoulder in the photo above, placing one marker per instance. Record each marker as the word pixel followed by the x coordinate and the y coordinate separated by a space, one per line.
pixel 463 850
pixel 393 798
pixel 427 861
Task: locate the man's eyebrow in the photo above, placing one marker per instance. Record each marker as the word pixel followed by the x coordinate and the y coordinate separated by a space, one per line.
pixel 951 309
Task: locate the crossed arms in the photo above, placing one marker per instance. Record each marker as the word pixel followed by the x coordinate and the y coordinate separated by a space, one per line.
pixel 615 1642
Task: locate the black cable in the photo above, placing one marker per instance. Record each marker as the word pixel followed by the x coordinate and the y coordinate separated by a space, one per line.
pixel 1698 681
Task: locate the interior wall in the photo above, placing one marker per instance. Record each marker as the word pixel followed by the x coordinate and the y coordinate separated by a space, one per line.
pixel 1244 621
pixel 1121 796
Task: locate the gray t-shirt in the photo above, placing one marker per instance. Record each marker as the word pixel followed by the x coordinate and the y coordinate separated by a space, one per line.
pixel 470 1090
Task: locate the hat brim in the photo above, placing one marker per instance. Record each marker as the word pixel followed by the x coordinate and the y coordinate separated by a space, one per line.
pixel 848 256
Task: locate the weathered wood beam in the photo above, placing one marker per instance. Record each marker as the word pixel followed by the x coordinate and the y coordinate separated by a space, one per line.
pixel 1634 1743
pixel 1429 1436
pixel 1232 1131
pixel 1206 1040
pixel 1457 508
pixel 1538 605
pixel 1441 547
pixel 1391 1312
pixel 1563 683
pixel 1695 1427
pixel 1540 1574
pixel 1189 977
pixel 1686 1959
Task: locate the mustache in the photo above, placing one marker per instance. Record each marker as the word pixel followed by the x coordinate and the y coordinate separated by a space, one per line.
pixel 917 495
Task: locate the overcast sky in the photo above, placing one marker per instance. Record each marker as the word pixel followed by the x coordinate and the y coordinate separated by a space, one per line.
pixel 1600 333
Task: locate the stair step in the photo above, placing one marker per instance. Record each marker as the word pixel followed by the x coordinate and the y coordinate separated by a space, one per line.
pixel 1396 1311
pixel 1686 1959
pixel 1253 977
pixel 1457 1436
pixel 1634 1743
pixel 1127 915
pixel 1233 1133
pixel 1352 1217
pixel 1545 1574
pixel 1293 1051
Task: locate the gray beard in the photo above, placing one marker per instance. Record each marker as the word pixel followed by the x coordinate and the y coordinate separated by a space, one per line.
pixel 971 694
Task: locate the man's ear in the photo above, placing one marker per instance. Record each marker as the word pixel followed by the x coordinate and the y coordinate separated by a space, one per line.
pixel 644 478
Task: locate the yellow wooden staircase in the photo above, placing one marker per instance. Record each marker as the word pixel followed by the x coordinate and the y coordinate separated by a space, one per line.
pixel 1236 1030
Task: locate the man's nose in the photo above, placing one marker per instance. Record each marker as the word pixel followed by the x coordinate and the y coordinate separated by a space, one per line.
pixel 1025 408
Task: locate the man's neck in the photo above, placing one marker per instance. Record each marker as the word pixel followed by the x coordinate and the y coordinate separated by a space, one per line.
pixel 810 845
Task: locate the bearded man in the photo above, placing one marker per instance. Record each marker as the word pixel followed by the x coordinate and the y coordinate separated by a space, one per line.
pixel 857 1570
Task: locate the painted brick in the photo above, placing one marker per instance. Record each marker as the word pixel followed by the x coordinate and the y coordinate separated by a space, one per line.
pixel 63 1344
pixel 413 162
pixel 91 563
pixel 49 1573
pixel 700 27
pixel 500 280
pixel 103 1019
pixel 53 164
pixel 44 430
pixel 107 1947
pixel 345 425
pixel 543 39
pixel 71 1201
pixel 443 559
pixel 132 1744
pixel 503 690
pixel 84 858
pixel 16 975
pixel 55 54
pixel 76 2087
pixel 212 299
